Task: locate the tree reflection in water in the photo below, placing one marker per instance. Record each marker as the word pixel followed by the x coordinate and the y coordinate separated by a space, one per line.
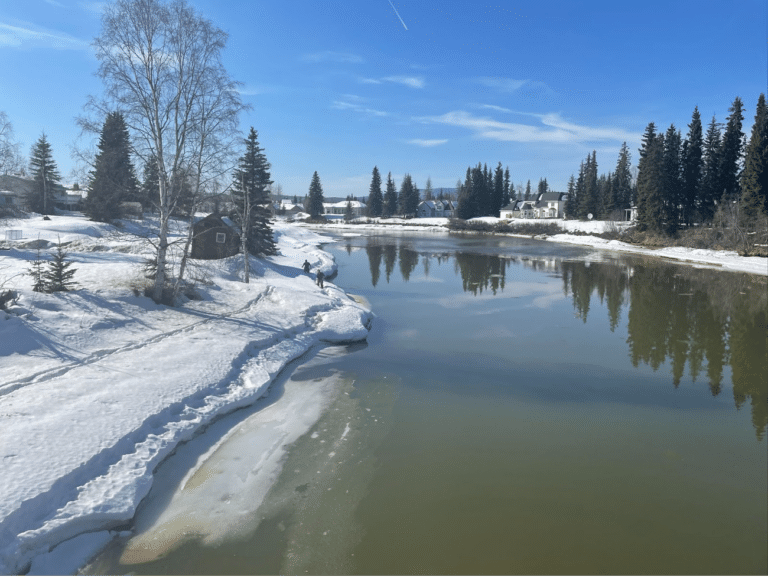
pixel 673 313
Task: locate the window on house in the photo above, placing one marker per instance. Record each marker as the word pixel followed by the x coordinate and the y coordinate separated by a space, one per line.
pixel 221 237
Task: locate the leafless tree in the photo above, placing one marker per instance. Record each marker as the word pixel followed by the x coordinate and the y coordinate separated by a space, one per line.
pixel 161 66
pixel 11 159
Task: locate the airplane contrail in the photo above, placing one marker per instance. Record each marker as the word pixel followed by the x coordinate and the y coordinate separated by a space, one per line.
pixel 398 14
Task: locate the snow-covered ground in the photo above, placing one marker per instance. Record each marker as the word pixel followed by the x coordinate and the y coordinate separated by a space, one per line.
pixel 729 260
pixel 100 385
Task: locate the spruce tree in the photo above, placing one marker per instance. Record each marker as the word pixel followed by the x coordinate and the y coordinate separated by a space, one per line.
pixel 407 200
pixel 375 197
pixel 543 186
pixel 574 200
pixel 730 152
pixel 113 179
pixel 754 178
pixel 691 168
pixel 428 193
pixel 150 183
pixel 650 181
pixel 605 196
pixel 588 195
pixel 527 191
pixel 315 197
pixel 36 271
pixel 467 200
pixel 250 192
pixel 390 198
pixel 480 191
pixel 497 191
pixel 710 191
pixel 622 180
pixel 58 277
pixel 570 199
pixel 45 175
pixel 673 185
pixel 507 197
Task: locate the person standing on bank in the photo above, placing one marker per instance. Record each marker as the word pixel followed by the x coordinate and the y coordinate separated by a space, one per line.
pixel 320 277
pixel 306 266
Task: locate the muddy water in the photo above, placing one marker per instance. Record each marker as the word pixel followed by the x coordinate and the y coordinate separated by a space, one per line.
pixel 520 408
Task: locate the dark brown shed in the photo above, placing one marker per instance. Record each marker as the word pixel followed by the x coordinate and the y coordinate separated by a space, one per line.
pixel 213 238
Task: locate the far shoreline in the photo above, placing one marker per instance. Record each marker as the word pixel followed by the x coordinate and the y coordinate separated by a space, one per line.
pixel 707 258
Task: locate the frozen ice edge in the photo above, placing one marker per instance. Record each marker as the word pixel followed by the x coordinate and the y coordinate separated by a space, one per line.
pixel 39 536
pixel 129 480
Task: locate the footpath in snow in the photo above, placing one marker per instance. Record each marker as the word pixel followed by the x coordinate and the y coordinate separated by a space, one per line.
pixel 99 385
pixel 727 260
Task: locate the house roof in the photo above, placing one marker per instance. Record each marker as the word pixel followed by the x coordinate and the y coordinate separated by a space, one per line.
pixel 343 204
pixel 552 196
pixel 214 219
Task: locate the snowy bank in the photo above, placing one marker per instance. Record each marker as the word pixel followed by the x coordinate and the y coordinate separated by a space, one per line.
pixel 100 385
pixel 729 260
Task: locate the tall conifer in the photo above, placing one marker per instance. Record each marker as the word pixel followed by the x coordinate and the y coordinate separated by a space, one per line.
pixel 250 191
pixel 508 189
pixel 692 165
pixel 113 179
pixel 375 197
pixel 45 175
pixel 650 181
pixel 710 190
pixel 622 180
pixel 390 198
pixel 731 151
pixel 754 179
pixel 672 168
pixel 315 197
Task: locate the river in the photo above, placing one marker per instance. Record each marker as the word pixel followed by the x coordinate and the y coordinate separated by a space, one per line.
pixel 520 407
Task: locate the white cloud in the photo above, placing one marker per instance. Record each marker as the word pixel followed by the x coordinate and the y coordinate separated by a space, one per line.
pixel 32 37
pixel 343 105
pixel 494 107
pixel 412 81
pixel 552 129
pixel 330 56
pixel 426 143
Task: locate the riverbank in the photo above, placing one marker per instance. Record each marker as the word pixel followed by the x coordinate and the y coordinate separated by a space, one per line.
pixel 101 385
pixel 727 260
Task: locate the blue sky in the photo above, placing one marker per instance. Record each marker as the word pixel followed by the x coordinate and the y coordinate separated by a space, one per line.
pixel 424 87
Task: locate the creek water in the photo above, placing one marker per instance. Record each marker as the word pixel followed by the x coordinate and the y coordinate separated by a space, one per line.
pixel 519 408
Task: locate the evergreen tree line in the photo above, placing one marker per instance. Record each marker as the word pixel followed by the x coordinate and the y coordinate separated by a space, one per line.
pixel 392 202
pixel 484 192
pixel 604 197
pixel 682 182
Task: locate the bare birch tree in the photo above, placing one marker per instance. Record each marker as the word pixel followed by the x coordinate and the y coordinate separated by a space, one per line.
pixel 161 66
pixel 10 159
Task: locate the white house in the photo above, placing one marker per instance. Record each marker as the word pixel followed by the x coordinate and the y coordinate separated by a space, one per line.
pixel 547 205
pixel 436 208
pixel 358 208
